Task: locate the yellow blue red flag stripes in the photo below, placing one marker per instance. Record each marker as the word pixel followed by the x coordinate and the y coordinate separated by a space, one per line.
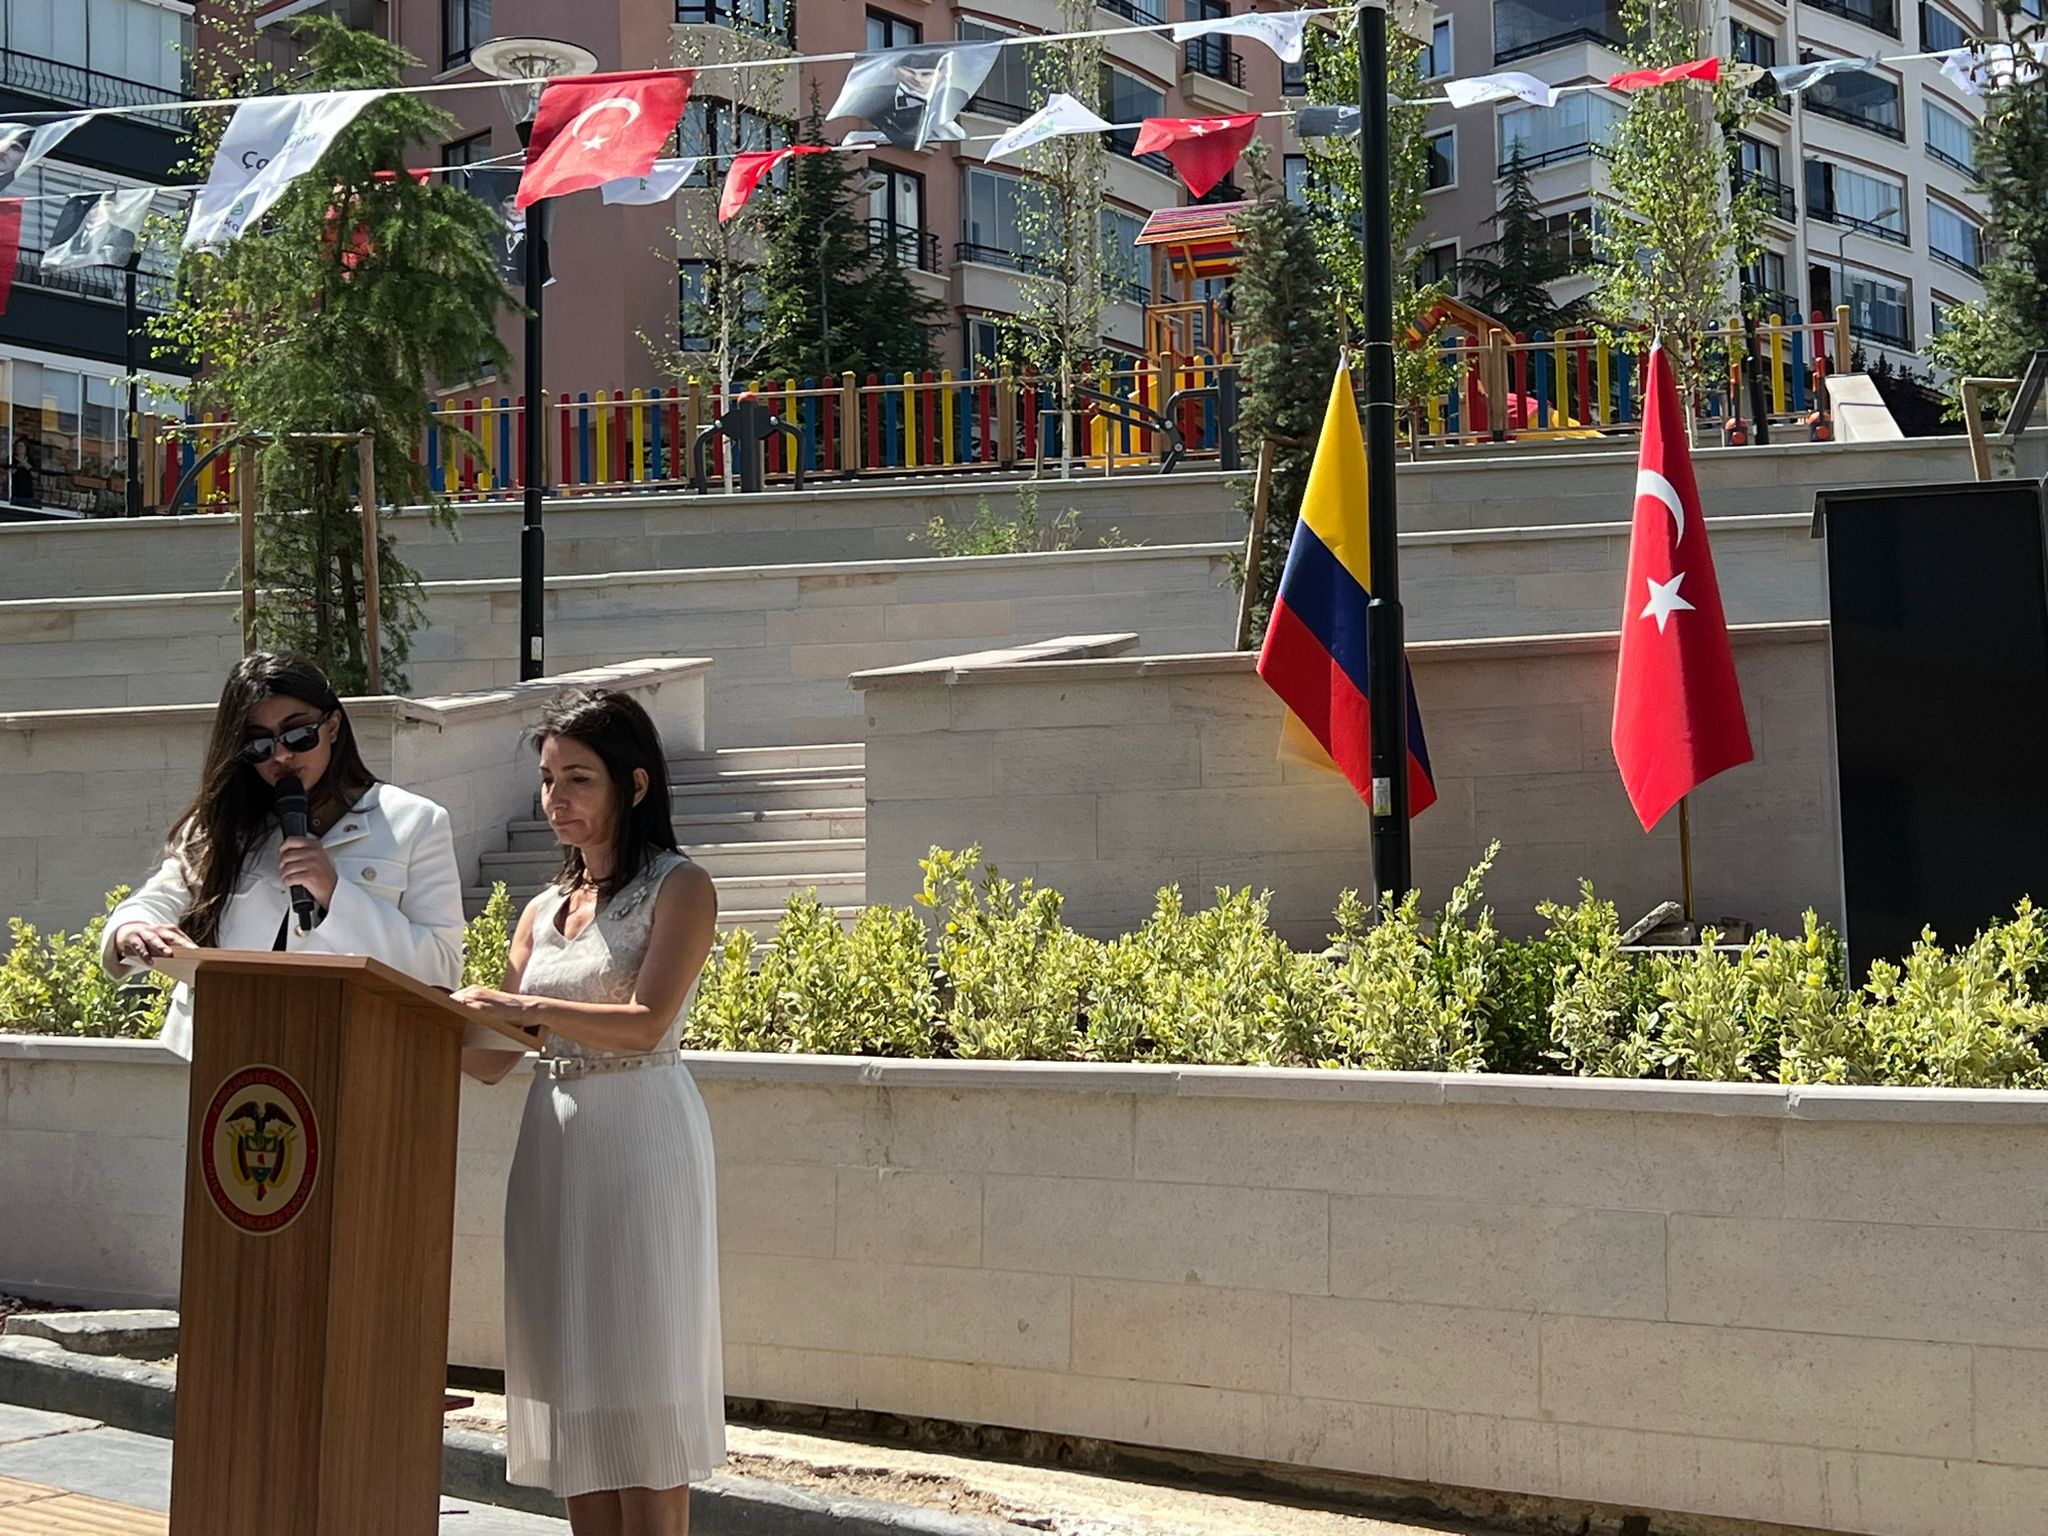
pixel 1315 651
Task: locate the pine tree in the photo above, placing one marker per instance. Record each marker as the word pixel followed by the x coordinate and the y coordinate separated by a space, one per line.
pixel 362 288
pixel 1287 350
pixel 1510 275
pixel 833 300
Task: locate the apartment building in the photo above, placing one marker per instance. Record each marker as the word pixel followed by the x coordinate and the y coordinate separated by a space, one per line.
pixel 953 219
pixel 1874 201
pixel 63 337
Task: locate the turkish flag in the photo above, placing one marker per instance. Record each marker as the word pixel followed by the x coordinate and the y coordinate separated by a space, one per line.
pixel 747 170
pixel 1677 706
pixel 596 128
pixel 1643 79
pixel 1202 149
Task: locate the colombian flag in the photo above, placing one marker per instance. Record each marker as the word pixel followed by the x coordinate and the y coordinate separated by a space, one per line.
pixel 1314 656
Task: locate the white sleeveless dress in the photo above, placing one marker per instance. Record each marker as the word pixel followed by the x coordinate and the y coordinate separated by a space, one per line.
pixel 613 1370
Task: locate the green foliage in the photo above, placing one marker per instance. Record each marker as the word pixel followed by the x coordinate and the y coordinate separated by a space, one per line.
pixel 488 941
pixel 1509 276
pixel 1025 533
pixel 1675 235
pixel 357 294
pixel 53 984
pixel 831 300
pixel 1287 352
pixel 1016 975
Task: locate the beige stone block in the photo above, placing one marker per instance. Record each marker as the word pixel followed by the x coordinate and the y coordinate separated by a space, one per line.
pixel 1195 1335
pixel 984 707
pixel 1939 1283
pixel 1141 822
pixel 1090 759
pixel 979 1316
pixel 1482 1254
pixel 1918 1175
pixel 476 1302
pixel 1348 1437
pixel 818 663
pixel 957 764
pixel 89 1097
pixel 2012 1406
pixel 37 1168
pixel 762 1122
pixel 480 1192
pixel 987 616
pixel 1462 1359
pixel 854 586
pixel 1266 1239
pixel 796 1303
pixel 904 1216
pixel 824 626
pixel 1007 827
pixel 122 1175
pixel 821 1378
pixel 1080 1135
pixel 1797 1389
pixel 785 1208
pixel 2009 1501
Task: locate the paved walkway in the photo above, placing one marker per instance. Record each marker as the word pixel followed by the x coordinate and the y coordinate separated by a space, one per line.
pixel 62 1476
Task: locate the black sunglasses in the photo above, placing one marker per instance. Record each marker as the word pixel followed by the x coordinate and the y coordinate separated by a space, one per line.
pixel 300 738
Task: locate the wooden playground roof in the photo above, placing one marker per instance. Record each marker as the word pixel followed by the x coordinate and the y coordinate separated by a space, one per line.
pixel 1199 241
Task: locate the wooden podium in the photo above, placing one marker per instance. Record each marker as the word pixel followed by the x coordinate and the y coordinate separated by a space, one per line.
pixel 319 1215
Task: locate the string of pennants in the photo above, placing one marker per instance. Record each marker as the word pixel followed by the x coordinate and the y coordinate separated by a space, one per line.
pixel 608 131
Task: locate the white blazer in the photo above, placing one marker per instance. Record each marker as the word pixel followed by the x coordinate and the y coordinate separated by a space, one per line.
pixel 397 898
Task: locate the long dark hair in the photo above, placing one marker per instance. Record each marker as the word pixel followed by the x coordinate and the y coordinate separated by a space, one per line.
pixel 214 836
pixel 617 729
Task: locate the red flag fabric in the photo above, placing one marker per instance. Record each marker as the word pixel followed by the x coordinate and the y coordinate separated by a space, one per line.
pixel 10 246
pixel 1643 79
pixel 1677 707
pixel 1202 149
pixel 747 170
pixel 595 128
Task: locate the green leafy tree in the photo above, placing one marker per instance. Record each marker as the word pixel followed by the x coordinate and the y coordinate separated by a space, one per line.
pixel 1676 234
pixel 1510 276
pixel 1287 351
pixel 1994 338
pixel 832 299
pixel 1334 193
pixel 362 288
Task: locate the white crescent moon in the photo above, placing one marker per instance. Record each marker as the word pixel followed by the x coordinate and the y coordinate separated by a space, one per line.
pixel 1650 483
pixel 624 104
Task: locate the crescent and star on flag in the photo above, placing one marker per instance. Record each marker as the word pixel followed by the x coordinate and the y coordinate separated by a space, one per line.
pixel 1664 598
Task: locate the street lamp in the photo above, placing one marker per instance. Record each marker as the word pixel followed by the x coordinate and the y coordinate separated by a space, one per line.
pixel 1842 260
pixel 526 64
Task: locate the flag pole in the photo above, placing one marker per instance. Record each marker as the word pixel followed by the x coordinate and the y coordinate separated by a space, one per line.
pixel 1685 853
pixel 1385 648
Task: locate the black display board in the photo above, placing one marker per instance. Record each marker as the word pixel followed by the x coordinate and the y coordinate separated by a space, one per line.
pixel 1938 600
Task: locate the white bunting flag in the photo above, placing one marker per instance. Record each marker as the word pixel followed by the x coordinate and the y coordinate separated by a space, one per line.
pixel 1993 66
pixel 1280 31
pixel 1509 85
pixel 271 142
pixel 657 186
pixel 1061 114
pixel 22 147
pixel 99 229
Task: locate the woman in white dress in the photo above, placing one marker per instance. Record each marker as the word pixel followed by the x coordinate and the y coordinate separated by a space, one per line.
pixel 614 1382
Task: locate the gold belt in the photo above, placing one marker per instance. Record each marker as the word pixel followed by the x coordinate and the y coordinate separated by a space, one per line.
pixel 579 1066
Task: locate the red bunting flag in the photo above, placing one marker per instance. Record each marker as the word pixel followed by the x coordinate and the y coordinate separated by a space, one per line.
pixel 10 245
pixel 1677 706
pixel 592 129
pixel 748 169
pixel 1202 149
pixel 1643 79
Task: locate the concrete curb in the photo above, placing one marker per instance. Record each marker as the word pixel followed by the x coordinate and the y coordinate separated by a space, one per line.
pixel 127 1394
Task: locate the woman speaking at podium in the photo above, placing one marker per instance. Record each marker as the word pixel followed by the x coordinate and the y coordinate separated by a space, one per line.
pixel 373 872
pixel 614 1381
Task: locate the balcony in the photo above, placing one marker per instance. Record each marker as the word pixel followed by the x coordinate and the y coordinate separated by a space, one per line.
pixel 1949 160
pixel 915 248
pixel 1878 15
pixel 1215 58
pixel 1123 140
pixel 1143 13
pixel 1849 221
pixel 1535 160
pixel 1779 200
pixel 153 290
pixel 1782 305
pixel 75 85
pixel 771 19
pixel 1961 263
pixel 1001 111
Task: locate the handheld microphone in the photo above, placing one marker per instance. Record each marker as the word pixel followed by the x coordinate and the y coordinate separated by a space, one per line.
pixel 292 813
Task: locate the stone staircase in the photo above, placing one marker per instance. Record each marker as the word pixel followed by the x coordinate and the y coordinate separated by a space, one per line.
pixel 765 822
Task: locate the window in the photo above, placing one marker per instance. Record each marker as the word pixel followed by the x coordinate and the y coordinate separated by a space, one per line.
pixel 1953 238
pixel 1006 92
pixel 1127 99
pixel 1860 97
pixel 1869 204
pixel 1940 31
pixel 1125 269
pixel 1570 234
pixel 1763 283
pixel 470 151
pixel 886 31
pixel 1443 160
pixel 1212 55
pixel 464 24
pixel 1749 46
pixel 1577 125
pixel 697 295
pixel 764 18
pixel 1880 308
pixel 713 127
pixel 989 229
pixel 44 189
pixel 1524 28
pixel 1294 79
pixel 1878 15
pixel 1294 177
pixel 98 53
pixel 1142 13
pixel 1436 61
pixel 1937 321
pixel 896 216
pixel 1951 139
pixel 1439 265
pixel 1760 166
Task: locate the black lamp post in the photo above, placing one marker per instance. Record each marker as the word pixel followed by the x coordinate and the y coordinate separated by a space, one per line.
pixel 526 64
